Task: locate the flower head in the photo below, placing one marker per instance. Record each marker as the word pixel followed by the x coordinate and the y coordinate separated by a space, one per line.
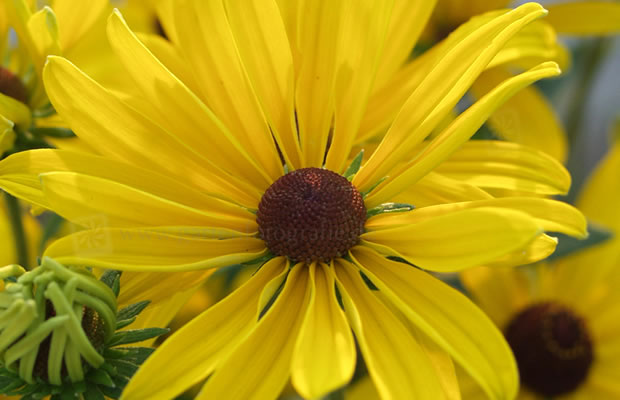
pixel 58 332
pixel 237 143
pixel 559 319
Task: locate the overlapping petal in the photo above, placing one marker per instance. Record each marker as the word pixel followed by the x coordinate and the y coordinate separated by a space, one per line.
pixel 148 250
pixel 458 240
pixel 324 357
pixel 218 330
pixel 447 317
pixel 396 362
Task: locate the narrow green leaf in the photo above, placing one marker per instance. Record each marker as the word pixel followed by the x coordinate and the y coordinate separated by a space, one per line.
pixel 125 368
pixel 109 277
pixel 355 166
pixel 373 187
pixel 132 310
pixel 136 335
pixel 100 377
pixel 136 355
pixel 125 322
pixel 93 393
pixel 55 132
pixel 388 208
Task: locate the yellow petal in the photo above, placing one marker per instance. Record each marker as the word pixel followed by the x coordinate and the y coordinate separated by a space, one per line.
pixel 585 17
pixel 194 123
pixel 7 135
pixel 118 131
pixel 78 197
pixel 551 215
pixel 458 240
pixel 43 29
pixel 77 18
pixel 157 286
pixel 600 195
pixel 457 133
pixel 527 118
pixel 441 90
pixel 500 292
pixel 363 389
pixel 171 57
pixel 15 111
pixel 264 49
pixel 434 189
pixel 396 362
pixel 448 318
pixel 539 249
pixel 534 44
pixel 363 37
pixel 144 250
pixel 409 17
pixel 260 366
pixel 20 172
pixel 324 357
pixel 504 165
pixel 213 335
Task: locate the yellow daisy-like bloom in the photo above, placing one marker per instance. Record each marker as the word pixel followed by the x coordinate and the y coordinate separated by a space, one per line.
pixel 563 326
pixel 193 173
pixel 528 118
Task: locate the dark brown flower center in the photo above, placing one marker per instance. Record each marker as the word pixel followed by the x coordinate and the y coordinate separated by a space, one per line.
pixel 12 86
pixel 311 214
pixel 552 347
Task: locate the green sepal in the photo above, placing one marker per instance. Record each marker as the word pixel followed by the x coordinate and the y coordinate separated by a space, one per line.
pixel 389 208
pixel 124 368
pixel 93 393
pixel 355 166
pixel 136 355
pixel 112 279
pixel 45 111
pixel 568 245
pixel 125 322
pixel 135 335
pixel 100 377
pixel 132 310
pixel 373 187
pixel 55 132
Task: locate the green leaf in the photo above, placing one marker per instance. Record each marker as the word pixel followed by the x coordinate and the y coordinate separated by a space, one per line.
pixel 109 276
pixel 136 355
pixel 136 335
pixel 388 208
pixel 124 322
pixel 55 132
pixel 568 245
pixel 125 368
pixel 45 111
pixel 100 377
pixel 355 166
pixel 93 393
pixel 373 187
pixel 132 310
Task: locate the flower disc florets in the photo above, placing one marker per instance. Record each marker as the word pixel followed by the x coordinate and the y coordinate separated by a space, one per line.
pixel 552 347
pixel 311 214
pixel 12 86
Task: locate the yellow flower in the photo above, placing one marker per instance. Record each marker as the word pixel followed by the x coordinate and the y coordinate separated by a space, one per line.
pixel 562 322
pixel 193 174
pixel 528 118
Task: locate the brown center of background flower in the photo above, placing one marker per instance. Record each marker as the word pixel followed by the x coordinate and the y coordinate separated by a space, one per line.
pixel 311 214
pixel 12 86
pixel 552 347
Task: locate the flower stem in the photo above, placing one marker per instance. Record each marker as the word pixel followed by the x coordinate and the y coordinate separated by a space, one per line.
pixel 19 236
